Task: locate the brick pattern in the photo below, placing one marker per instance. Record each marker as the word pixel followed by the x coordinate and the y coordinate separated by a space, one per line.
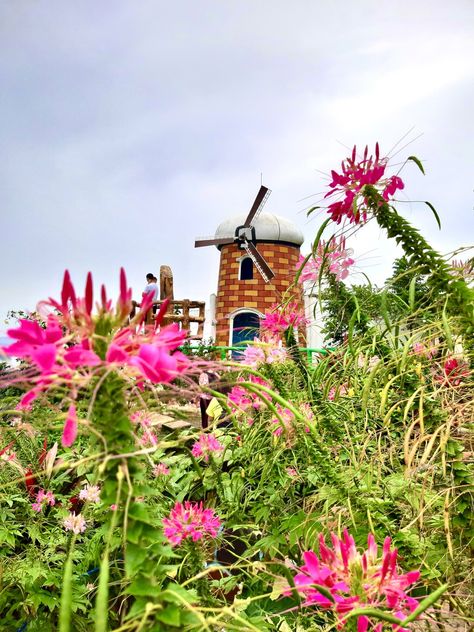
pixel 233 294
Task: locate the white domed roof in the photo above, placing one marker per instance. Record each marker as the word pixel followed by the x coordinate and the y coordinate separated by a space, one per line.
pixel 268 227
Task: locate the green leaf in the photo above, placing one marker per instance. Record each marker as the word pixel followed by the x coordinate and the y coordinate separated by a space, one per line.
pixel 417 162
pixel 438 221
pixel 142 587
pixel 170 615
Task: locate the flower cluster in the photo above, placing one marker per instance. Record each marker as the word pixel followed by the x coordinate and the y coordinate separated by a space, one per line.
pixel 161 469
pixel 75 523
pixel 279 319
pixel 190 520
pixel 267 350
pixel 331 257
pixel 356 580
pixel 351 182
pixel 71 342
pixel 453 372
pixel 43 498
pixel 90 493
pixel 206 445
pixel 242 399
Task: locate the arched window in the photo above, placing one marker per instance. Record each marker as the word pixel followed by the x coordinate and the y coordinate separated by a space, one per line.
pixel 245 326
pixel 246 269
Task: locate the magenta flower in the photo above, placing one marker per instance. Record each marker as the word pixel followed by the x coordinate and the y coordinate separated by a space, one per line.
pixel 206 445
pixel 351 182
pixel 190 520
pixel 279 319
pixel 356 580
pixel 242 399
pixel 70 428
pixel 43 498
pixel 157 365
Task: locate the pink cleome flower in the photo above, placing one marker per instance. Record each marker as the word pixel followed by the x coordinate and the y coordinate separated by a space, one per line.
pixel 356 580
pixel 190 520
pixel 74 523
pixel 351 182
pixel 64 348
pixel 206 445
pixel 161 469
pixel 279 319
pixel 265 350
pixel 90 493
pixel 43 498
pixel 330 257
pixel 241 399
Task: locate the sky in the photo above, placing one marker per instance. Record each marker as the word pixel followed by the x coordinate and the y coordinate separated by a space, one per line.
pixel 129 128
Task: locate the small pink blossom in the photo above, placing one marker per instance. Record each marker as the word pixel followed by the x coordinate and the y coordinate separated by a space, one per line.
pixel 190 520
pixel 74 523
pixel 267 350
pixel 284 422
pixel 242 399
pixel 206 445
pixel 161 469
pixel 330 257
pixel 279 319
pixel 90 493
pixel 70 428
pixel 291 472
pixel 149 439
pixel 339 391
pixel 43 498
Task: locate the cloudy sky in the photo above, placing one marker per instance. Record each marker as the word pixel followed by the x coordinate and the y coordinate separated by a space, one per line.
pixel 129 128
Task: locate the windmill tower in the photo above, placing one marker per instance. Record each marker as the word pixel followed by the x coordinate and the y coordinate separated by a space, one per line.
pixel 259 255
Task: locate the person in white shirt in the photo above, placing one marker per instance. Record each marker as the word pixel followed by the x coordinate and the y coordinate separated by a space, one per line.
pixel 151 286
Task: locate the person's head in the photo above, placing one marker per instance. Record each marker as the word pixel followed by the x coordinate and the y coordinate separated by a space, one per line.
pixel 155 280
pixel 149 277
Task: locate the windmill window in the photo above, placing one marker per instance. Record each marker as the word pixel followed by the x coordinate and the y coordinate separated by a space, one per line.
pixel 246 269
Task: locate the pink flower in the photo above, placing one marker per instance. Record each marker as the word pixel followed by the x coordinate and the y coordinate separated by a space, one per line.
pixel 157 365
pixel 291 472
pixel 339 391
pixel 161 469
pixel 266 350
pixel 242 399
pixel 330 257
pixel 282 318
pixel 355 580
pixel 351 182
pixel 74 523
pixel 43 498
pixel 206 445
pixel 149 438
pixel 70 428
pixel 190 520
pixel 90 493
pixel 285 422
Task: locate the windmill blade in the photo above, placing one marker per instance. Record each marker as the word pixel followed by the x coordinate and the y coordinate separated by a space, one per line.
pixel 262 266
pixel 257 206
pixel 211 241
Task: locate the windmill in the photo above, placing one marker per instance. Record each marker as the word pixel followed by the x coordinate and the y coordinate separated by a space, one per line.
pixel 245 237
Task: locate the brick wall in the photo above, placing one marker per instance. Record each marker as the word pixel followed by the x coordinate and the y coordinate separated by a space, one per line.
pixel 254 293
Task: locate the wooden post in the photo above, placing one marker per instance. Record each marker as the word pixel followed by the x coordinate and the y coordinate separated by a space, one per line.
pixel 166 283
